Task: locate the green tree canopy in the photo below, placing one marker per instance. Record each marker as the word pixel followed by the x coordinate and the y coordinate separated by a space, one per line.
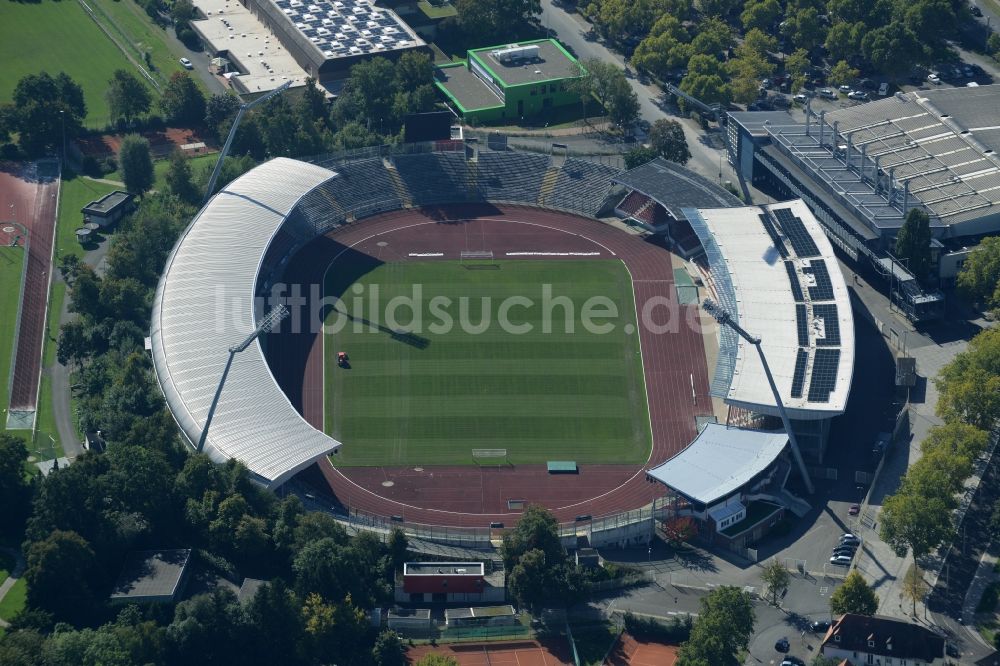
pixel 182 101
pixel 979 279
pixel 62 574
pixel 722 629
pixel 45 108
pixel 913 243
pixel 537 529
pixel 776 577
pixel 128 97
pixel 842 74
pixel 667 138
pixel 136 164
pixel 15 489
pixel 854 596
pixel 969 386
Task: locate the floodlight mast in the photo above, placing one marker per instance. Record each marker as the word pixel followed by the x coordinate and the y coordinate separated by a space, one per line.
pixel 272 318
pixel 232 133
pixel 725 319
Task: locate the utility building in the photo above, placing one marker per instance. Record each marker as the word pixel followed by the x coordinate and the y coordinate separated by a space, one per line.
pixel 507 83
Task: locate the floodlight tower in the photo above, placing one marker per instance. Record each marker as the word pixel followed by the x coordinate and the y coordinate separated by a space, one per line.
pixel 232 132
pixel 725 319
pixel 272 318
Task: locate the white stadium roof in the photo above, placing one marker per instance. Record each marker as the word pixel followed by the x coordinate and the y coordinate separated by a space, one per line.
pixel 720 461
pixel 205 304
pixel 775 271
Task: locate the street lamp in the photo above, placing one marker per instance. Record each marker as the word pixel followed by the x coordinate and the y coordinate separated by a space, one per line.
pixel 272 318
pixel 725 319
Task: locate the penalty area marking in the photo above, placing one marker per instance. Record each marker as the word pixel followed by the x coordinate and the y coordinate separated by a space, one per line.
pixel 425 254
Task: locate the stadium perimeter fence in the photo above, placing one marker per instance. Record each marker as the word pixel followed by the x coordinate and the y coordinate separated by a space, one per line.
pixel 483 538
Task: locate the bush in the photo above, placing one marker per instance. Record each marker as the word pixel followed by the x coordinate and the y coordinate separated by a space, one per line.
pixel 10 151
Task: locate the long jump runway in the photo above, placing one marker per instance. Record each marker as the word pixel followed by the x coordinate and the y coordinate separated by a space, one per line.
pixel 674 364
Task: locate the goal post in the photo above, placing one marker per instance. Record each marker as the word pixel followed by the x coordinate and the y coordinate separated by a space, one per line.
pixel 478 259
pixel 496 457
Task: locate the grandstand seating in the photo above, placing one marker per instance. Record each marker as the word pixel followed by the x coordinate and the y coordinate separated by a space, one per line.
pixel 582 186
pixel 633 202
pixel 433 178
pixel 514 177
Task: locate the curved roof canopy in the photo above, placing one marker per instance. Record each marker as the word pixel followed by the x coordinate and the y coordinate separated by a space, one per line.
pixel 720 461
pixel 205 304
pixel 774 270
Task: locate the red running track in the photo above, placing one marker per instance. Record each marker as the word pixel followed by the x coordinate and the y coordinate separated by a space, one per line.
pixel 673 362
pixel 28 195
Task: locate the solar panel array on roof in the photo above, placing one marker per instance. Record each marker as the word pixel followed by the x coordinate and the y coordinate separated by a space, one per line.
pixel 799 378
pixel 793 281
pixel 802 325
pixel 823 289
pixel 800 239
pixel 341 28
pixel 775 238
pixel 824 374
pixel 831 324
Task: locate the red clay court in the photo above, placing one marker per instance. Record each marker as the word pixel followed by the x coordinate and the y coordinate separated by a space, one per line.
pixel 674 366
pixel 29 196
pixel 520 653
pixel 629 651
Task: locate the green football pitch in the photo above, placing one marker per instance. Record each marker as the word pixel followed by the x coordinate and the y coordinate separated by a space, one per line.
pixel 428 394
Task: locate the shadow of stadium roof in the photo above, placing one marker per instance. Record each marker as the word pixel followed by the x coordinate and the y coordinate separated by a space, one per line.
pixel 676 188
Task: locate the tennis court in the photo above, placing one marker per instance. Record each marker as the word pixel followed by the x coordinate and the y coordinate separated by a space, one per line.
pixel 630 651
pixel 549 652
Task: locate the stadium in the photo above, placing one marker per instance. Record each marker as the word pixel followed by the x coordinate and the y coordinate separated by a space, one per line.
pixel 364 408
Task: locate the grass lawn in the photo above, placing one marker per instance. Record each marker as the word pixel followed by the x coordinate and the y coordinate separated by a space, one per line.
pixel 7 563
pixel 160 167
pixel 58 37
pixel 75 193
pixel 431 396
pixel 14 601
pixel 11 265
pixel 136 31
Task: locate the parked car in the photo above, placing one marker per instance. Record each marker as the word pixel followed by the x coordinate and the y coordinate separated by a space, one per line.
pixel 820 626
pixel 843 552
pixel 850 538
pixel 858 95
pixel 841 560
pixel 883 89
pixel 765 84
pixel 934 78
pixel 792 661
pixel 976 11
pixel 186 63
pixel 844 89
pixel 827 93
pixel 782 645
pixel 854 510
pixel 800 98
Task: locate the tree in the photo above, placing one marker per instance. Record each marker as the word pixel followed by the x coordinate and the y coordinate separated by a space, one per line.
pixel 704 81
pixel 914 586
pixel 714 38
pixel 843 74
pixel 639 156
pixel 915 521
pixel 398 546
pixel 333 629
pixel 762 14
pixel 15 489
pixel 913 243
pixel 759 42
pixel 45 110
pixel 179 178
pixel 979 279
pixel 797 65
pixel 182 102
pixel 854 596
pixel 892 49
pixel 183 11
pixel 136 164
pixel 388 650
pixel 537 529
pixel 776 578
pixel 529 580
pixel 219 111
pixel 969 386
pixel 127 96
pixel 993 44
pixel 606 82
pixel 61 572
pixel 667 138
pixel 843 40
pixel 722 630
pixel 721 8
pixel 804 29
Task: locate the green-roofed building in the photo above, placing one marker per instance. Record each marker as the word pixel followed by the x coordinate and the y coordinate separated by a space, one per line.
pixel 508 83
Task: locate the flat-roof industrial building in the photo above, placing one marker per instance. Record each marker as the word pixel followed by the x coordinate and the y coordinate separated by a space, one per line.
pixel 510 82
pixel 273 41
